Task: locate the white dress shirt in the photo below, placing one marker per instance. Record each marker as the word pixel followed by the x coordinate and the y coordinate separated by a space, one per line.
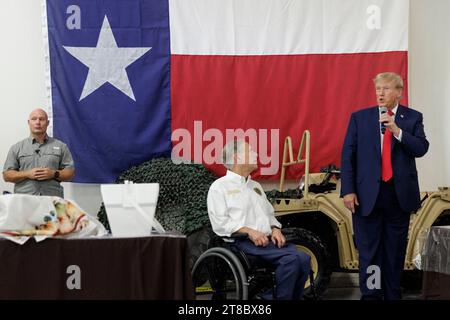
pixel 235 202
pixel 399 138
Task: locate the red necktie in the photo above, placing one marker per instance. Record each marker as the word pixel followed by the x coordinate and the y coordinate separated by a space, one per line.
pixel 386 162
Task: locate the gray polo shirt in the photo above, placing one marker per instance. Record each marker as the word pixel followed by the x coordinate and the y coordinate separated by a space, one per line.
pixel 28 154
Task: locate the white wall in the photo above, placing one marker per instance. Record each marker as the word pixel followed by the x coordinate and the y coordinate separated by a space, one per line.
pixel 429 73
pixel 22 86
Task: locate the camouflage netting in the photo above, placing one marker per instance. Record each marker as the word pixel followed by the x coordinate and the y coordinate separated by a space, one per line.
pixel 182 196
pixel 288 194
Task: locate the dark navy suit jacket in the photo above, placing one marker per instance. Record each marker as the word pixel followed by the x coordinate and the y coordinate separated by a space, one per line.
pixel 361 158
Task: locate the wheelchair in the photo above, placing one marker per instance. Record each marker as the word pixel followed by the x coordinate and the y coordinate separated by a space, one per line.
pixel 223 272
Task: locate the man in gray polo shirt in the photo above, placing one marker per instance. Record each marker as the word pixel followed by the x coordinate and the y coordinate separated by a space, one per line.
pixel 37 164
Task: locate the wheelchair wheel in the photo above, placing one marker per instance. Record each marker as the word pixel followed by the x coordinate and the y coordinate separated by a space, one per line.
pixel 219 275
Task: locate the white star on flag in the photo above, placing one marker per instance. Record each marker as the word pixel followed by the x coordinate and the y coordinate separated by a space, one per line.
pixel 107 62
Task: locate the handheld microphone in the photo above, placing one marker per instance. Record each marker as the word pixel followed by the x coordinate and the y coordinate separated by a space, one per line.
pixel 383 110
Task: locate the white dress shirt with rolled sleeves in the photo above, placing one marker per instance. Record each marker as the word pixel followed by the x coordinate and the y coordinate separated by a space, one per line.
pixel 235 202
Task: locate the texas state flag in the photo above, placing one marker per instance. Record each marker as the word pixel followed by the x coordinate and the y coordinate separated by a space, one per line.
pixel 124 75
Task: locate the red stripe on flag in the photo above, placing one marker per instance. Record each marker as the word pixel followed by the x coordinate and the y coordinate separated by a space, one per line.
pixel 290 92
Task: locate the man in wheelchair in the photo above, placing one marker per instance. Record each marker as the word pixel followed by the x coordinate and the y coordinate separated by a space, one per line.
pixel 237 204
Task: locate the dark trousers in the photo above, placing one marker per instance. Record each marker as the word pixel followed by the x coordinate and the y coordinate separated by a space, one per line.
pixel 381 240
pixel 292 267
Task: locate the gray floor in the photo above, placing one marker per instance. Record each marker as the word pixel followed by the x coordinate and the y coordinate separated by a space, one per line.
pixel 344 286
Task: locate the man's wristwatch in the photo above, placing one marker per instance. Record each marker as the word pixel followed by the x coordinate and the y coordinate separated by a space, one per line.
pixel 56 175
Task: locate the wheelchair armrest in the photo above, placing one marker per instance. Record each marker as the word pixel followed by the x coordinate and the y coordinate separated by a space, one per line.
pixel 235 236
pixel 239 235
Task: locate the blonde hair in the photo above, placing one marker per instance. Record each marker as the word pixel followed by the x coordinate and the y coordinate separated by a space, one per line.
pixel 390 77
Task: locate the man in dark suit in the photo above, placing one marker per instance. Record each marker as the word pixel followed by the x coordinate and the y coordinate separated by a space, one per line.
pixel 380 185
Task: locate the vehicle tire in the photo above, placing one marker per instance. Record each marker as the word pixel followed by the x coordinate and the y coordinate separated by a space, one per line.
pixel 321 265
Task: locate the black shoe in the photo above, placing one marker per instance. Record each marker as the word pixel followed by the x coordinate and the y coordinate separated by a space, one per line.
pixel 258 297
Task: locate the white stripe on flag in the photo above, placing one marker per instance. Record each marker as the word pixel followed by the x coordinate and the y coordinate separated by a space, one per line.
pixel 272 27
pixel 48 82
